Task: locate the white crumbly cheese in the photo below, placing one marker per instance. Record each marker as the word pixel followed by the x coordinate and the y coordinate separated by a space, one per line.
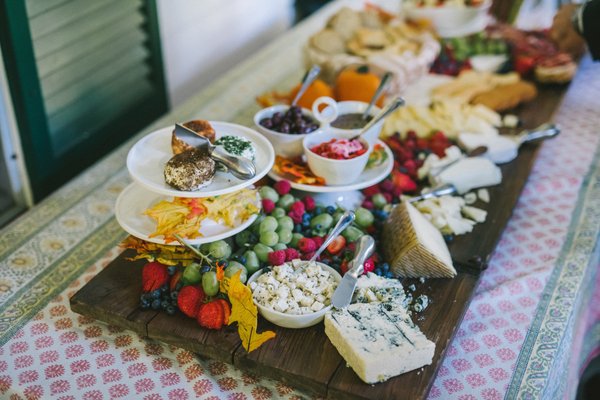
pixel 377 340
pixel 305 292
pixel 451 214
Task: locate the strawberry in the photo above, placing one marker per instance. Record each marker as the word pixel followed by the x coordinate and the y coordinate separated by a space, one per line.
pixel 336 245
pixel 291 254
pixel 403 181
pixel 212 315
pixel 154 276
pixel 276 257
pixel 190 299
pixel 268 205
pixel 226 310
pixel 175 280
pixel 282 187
pixel 344 267
pixel 307 245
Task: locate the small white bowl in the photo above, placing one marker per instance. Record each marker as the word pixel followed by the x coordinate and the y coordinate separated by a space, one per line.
pixel 335 172
pixel 336 109
pixel 285 144
pixel 294 321
pixel 450 19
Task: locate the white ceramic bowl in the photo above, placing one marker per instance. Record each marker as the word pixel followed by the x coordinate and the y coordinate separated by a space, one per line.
pixel 285 144
pixel 335 172
pixel 335 109
pixel 450 19
pixel 292 320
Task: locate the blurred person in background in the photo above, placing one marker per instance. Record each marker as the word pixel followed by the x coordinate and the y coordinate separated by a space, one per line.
pixel 575 25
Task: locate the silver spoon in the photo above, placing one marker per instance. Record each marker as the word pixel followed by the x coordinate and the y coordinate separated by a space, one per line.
pixel 392 106
pixel 382 85
pixel 308 79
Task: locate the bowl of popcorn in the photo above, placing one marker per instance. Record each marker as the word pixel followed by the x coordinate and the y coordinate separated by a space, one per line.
pixel 296 294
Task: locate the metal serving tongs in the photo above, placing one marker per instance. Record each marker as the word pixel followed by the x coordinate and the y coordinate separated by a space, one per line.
pixel 387 110
pixel 240 167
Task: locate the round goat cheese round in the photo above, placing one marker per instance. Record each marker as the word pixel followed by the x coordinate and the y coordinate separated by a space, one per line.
pixel 237 146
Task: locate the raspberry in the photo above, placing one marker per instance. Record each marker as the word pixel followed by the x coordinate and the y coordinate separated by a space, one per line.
pixel 268 205
pixel 297 218
pixel 282 187
pixel 388 197
pixel 309 203
pixel 371 190
pixel 369 265
pixel 297 208
pixel 307 245
pixel 368 204
pixel 308 256
pixel 318 240
pixel 291 254
pixel 276 257
pixel 387 185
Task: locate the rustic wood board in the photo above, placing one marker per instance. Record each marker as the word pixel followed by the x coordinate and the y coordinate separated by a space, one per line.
pixel 305 358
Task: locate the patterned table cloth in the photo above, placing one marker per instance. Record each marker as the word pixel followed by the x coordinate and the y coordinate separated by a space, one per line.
pixel 529 332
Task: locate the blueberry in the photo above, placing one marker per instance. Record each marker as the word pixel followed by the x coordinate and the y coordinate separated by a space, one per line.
pixel 205 268
pixel 389 274
pixel 155 294
pixel 306 217
pixel 448 238
pixel 377 271
pixel 330 209
pixel 164 304
pixel 305 224
pixel 297 229
pixel 174 294
pixel 164 289
pixel 335 259
pixel 172 269
pixel 318 227
pixel 384 214
pixel 144 305
pixel 179 285
pixel 385 267
pixel 243 260
pixel 144 297
pixel 170 310
pixel 318 210
pixel 156 304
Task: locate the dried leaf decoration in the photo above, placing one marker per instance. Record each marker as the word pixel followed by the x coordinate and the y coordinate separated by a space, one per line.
pixel 181 216
pixel 244 311
pixel 165 254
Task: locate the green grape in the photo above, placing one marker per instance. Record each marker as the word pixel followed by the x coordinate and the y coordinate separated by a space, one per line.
pixel 278 212
pixel 252 263
pixel 269 238
pixel 262 251
pixel 286 201
pixel 191 274
pixel 204 248
pixel 233 268
pixel 279 246
pixel 364 217
pixel 295 239
pixel 352 233
pixel 285 222
pixel 323 221
pixel 285 235
pixel 210 284
pixel 255 226
pixel 219 249
pixel 337 215
pixel 245 238
pixel 267 192
pixel 379 200
pixel 269 224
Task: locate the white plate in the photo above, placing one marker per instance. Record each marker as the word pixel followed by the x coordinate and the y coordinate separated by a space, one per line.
pixel 475 26
pixel 134 200
pixel 368 178
pixel 147 158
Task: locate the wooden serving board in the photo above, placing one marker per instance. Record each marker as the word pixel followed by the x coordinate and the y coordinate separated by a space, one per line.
pixel 305 358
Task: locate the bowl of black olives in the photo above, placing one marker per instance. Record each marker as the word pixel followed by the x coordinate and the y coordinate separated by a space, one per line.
pixel 285 127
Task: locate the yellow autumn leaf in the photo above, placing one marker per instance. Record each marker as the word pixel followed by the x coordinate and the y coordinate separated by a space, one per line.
pixel 245 313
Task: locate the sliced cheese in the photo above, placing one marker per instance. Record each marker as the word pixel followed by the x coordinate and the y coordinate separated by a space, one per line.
pixel 377 340
pixel 414 247
pixel 469 173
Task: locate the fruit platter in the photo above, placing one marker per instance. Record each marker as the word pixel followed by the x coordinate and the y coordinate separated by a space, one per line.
pixel 250 271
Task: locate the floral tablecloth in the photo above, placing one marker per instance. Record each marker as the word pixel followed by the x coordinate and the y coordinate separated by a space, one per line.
pixel 528 333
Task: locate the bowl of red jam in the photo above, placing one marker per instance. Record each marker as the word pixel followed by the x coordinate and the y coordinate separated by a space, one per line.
pixel 338 160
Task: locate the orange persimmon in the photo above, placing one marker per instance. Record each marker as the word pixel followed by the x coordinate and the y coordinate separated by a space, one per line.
pixel 316 89
pixel 357 83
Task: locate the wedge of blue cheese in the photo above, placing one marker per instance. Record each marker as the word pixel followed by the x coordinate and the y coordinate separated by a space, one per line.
pixel 374 288
pixel 378 340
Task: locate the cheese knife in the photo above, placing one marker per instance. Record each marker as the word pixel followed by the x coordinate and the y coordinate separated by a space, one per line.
pixel 343 293
pixel 240 167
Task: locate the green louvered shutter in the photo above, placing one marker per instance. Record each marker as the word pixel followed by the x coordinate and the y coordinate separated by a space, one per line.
pixel 84 75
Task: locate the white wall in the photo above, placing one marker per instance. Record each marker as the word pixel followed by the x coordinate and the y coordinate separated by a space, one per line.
pixel 202 39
